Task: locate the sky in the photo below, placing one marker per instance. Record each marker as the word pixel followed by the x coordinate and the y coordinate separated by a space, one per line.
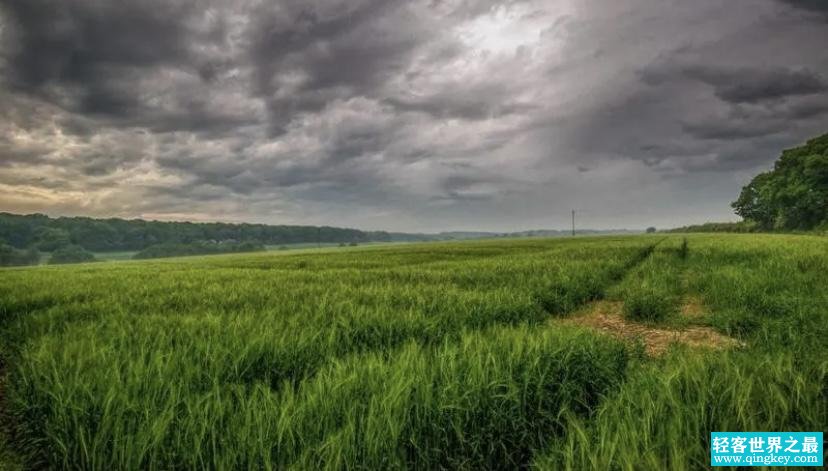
pixel 416 115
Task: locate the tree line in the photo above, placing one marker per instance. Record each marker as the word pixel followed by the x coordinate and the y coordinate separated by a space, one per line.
pixel 102 235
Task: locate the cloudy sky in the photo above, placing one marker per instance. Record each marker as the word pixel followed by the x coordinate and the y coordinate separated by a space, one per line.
pixel 416 115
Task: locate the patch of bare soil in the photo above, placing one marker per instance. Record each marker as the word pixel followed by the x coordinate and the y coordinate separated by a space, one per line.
pixel 607 316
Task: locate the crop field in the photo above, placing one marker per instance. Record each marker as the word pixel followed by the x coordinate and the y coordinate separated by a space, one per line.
pixel 583 353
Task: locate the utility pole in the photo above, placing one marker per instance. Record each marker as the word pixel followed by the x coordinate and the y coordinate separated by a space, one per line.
pixel 573 223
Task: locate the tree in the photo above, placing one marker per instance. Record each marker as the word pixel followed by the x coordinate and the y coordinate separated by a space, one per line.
pixel 9 256
pixel 651 230
pixel 51 238
pixel 754 202
pixel 792 196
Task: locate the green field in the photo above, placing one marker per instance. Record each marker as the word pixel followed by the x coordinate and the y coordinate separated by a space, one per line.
pixel 467 355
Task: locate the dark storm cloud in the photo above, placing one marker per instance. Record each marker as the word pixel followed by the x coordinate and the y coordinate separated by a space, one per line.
pixel 751 86
pixel 306 55
pixel 812 5
pixel 107 59
pixel 75 41
pixel 413 115
pixel 742 85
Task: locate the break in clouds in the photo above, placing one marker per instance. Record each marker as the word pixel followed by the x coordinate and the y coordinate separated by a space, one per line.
pixel 416 115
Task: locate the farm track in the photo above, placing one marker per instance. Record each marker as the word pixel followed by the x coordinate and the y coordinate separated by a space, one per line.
pixel 296 381
pixel 356 357
pixel 613 278
pixel 607 316
pixel 534 316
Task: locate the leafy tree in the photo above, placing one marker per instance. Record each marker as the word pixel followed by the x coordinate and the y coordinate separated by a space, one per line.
pixel 9 256
pixel 71 254
pixel 792 196
pixel 753 203
pixel 651 230
pixel 50 238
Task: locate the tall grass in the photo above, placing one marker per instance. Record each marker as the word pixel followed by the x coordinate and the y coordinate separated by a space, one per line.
pixel 424 357
pixel 485 402
pixel 652 291
pixel 112 363
pixel 663 416
pixel 769 291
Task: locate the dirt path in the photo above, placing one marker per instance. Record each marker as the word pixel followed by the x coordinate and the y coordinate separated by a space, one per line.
pixel 606 316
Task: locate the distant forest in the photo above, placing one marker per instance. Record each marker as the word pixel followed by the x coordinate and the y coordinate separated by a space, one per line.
pixel 103 235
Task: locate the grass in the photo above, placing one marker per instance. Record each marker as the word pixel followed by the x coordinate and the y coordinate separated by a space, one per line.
pixel 770 292
pixel 409 356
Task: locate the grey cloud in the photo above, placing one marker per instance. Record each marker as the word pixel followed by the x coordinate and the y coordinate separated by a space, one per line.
pixel 748 85
pixel 104 59
pixel 420 115
pixel 308 54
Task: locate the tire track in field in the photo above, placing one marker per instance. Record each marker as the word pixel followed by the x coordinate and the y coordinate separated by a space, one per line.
pixel 567 296
pixel 260 372
pixel 609 278
pixel 656 336
pixel 260 369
